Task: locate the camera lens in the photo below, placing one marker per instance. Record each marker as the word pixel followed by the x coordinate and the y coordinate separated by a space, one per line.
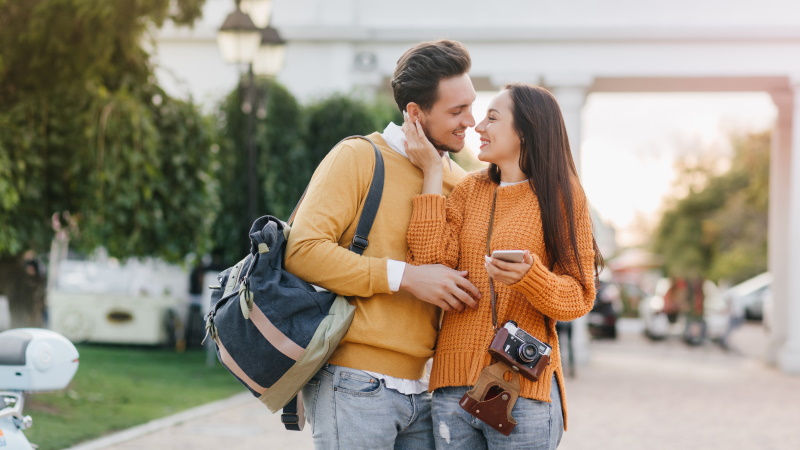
pixel 528 352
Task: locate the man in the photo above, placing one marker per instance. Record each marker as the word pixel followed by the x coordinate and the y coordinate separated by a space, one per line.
pixel 372 394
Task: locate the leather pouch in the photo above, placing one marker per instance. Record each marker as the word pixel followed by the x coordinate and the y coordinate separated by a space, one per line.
pixel 493 398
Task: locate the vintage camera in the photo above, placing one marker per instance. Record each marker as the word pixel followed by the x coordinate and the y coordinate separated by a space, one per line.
pixel 523 352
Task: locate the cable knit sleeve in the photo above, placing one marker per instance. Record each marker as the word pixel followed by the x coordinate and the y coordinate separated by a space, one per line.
pixel 563 294
pixel 434 229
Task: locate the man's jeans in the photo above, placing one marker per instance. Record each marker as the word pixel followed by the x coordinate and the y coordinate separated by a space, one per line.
pixel 540 425
pixel 351 409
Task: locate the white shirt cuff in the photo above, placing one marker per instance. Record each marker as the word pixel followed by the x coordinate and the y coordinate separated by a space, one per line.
pixel 394 271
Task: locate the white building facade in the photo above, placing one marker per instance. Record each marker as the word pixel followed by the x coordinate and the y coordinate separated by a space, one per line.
pixel 574 47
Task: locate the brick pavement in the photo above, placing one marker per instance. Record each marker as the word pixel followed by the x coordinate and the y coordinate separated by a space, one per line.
pixel 633 395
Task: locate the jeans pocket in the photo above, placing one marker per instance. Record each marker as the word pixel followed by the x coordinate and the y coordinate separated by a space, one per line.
pixel 357 383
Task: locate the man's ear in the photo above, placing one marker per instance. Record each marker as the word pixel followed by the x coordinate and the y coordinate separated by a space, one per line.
pixel 414 112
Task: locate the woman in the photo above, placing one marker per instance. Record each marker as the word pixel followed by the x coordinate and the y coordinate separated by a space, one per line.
pixel 529 199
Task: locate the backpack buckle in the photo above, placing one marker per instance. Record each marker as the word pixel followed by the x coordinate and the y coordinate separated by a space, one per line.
pixel 290 419
pixel 360 242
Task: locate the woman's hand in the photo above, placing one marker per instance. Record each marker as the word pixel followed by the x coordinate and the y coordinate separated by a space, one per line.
pixel 425 156
pixel 506 272
pixel 419 149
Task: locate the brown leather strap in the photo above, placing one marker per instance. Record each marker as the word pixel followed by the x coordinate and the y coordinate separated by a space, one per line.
pixel 491 282
pixel 489 253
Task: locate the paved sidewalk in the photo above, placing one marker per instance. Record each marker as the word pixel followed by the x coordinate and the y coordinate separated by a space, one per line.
pixel 637 394
pixel 634 394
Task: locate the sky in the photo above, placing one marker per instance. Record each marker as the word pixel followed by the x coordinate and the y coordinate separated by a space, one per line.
pixel 630 143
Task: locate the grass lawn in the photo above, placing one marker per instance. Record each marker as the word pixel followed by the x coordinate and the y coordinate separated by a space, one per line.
pixel 119 387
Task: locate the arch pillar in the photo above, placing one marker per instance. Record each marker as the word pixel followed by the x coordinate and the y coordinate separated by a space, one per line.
pixel 778 258
pixel 571 92
pixel 787 245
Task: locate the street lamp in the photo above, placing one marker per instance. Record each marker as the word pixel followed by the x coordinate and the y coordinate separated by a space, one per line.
pixel 238 38
pixel 245 37
pixel 271 53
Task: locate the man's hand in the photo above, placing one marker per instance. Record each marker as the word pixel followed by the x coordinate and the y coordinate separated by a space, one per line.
pixel 441 286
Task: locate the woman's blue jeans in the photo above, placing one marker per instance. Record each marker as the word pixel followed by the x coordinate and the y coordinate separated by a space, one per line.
pixel 540 425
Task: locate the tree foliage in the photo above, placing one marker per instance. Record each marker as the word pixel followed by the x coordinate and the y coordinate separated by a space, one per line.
pixel 719 230
pixel 281 168
pixel 290 141
pixel 339 116
pixel 89 139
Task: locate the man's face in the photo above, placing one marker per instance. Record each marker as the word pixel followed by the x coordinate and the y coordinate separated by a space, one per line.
pixel 448 119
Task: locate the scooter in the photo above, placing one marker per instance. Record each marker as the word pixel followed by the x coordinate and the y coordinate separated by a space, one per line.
pixel 31 360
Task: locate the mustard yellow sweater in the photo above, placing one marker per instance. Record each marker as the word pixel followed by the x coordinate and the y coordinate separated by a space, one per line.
pixel 453 232
pixel 391 333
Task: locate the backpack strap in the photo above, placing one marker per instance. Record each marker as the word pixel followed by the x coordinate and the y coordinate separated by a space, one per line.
pixel 373 196
pixel 292 416
pixel 370 210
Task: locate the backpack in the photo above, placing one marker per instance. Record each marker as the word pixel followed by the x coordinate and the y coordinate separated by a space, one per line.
pixel 272 330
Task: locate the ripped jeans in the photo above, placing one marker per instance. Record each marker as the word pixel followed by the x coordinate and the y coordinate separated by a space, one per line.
pixel 540 425
pixel 349 409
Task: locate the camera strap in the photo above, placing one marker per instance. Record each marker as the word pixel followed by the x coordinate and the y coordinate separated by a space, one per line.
pixel 489 254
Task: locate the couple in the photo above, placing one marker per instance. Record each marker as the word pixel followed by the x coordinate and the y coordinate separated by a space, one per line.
pixel 373 393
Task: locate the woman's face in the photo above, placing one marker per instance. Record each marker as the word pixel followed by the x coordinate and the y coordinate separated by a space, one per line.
pixel 500 143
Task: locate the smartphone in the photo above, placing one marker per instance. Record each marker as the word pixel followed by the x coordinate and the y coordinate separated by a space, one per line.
pixel 405 116
pixel 514 256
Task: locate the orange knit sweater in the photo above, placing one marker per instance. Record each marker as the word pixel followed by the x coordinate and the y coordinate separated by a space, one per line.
pixel 453 232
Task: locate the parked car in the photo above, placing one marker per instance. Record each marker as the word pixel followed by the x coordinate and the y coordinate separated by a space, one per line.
pixel 661 315
pixel 606 310
pixel 655 320
pixel 140 302
pixel 748 296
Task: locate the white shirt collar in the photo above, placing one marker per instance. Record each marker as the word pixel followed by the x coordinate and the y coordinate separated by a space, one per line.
pixel 394 136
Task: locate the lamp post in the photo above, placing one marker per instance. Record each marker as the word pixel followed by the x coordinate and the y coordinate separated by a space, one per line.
pixel 246 38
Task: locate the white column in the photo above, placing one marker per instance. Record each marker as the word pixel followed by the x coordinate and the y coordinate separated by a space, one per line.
pixel 779 181
pixel 789 355
pixel 571 92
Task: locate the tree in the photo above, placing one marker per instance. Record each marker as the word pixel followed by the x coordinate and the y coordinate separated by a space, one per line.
pixel 290 142
pixel 90 143
pixel 719 229
pixel 739 228
pixel 282 165
pixel 339 116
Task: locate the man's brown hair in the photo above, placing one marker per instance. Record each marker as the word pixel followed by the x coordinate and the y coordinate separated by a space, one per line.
pixel 418 72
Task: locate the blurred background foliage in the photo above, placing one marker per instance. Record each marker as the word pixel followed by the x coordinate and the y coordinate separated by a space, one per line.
pixel 92 145
pixel 291 140
pixel 718 228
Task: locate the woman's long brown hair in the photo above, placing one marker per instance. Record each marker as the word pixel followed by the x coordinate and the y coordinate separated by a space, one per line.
pixel 546 159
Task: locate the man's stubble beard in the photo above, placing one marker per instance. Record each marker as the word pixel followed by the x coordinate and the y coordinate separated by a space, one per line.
pixel 436 144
